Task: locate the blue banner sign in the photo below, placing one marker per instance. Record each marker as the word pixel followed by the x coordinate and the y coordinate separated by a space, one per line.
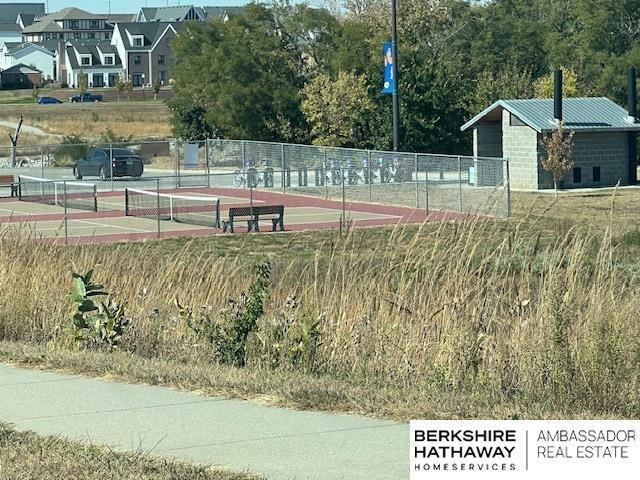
pixel 389 85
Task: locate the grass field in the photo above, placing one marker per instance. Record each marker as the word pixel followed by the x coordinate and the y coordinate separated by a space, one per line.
pixel 148 120
pixel 533 317
pixel 24 455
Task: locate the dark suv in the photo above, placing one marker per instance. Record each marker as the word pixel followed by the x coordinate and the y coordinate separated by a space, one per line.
pixel 97 162
pixel 85 97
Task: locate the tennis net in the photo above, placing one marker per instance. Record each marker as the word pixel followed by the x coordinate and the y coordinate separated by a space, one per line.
pixel 76 195
pixel 194 210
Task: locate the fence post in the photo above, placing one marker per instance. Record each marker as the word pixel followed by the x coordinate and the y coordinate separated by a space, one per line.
pixel 426 188
pixel 326 178
pixel 282 168
pixel 344 204
pixel 460 181
pixel 369 174
pixel 66 225
pixel 243 154
pixel 158 205
pixel 177 162
pixel 207 169
pixel 415 158
pixel 42 162
pixel 507 185
pixel 111 164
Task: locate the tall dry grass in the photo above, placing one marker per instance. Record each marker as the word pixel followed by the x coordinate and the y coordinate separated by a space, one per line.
pixel 479 307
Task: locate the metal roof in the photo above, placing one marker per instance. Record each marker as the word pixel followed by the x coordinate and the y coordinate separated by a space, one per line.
pixel 580 114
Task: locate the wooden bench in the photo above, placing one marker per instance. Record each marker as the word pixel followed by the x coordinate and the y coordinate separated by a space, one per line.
pixel 9 181
pixel 253 215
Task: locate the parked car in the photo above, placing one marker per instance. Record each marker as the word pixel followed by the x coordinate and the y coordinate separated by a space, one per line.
pixel 45 100
pixel 97 162
pixel 85 97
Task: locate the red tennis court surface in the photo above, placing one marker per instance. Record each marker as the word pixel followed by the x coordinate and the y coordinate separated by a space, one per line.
pixel 110 224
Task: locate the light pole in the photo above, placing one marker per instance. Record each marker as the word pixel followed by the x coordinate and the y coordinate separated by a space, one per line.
pixel 143 87
pixel 395 99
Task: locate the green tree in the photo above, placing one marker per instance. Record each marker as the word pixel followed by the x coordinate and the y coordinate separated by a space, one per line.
pixel 339 111
pixel 557 158
pixel 543 87
pixel 156 89
pixel 253 80
pixel 128 88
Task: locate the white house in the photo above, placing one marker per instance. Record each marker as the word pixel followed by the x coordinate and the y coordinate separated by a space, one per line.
pixel 10 32
pixel 99 61
pixel 28 54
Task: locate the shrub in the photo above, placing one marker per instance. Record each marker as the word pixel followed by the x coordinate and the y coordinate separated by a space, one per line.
pixel 229 331
pixel 72 148
pixel 97 323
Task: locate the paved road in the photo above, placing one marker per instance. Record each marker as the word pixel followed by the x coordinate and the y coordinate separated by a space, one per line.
pixel 27 129
pixel 276 443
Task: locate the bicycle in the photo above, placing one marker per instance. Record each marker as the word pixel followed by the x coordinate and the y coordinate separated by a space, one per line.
pixel 249 175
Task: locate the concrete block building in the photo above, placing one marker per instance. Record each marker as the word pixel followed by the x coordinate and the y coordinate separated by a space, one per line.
pixel 604 141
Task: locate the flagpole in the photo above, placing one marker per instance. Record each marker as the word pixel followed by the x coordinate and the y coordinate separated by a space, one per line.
pixel 394 53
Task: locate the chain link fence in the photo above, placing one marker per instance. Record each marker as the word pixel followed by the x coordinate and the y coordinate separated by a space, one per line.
pixel 321 185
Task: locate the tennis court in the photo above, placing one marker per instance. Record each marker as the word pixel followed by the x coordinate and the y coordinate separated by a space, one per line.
pixel 76 213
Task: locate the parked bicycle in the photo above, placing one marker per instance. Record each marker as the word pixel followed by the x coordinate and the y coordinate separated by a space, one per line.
pixel 249 175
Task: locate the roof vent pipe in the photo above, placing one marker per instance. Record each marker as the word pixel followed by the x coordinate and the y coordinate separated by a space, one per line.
pixel 632 96
pixel 557 96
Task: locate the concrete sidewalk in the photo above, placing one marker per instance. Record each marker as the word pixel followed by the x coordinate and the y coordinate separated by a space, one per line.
pixel 274 442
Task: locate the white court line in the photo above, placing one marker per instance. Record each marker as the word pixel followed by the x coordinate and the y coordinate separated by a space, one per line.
pixel 19 212
pixel 109 226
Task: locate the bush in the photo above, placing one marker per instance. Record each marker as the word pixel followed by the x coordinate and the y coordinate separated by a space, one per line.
pixel 72 148
pixel 96 324
pixel 229 331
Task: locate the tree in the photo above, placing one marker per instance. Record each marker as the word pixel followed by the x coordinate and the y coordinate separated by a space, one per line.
pixel 543 87
pixel 83 83
pixel 156 89
pixel 254 81
pixel 338 111
pixel 120 87
pixel 14 141
pixel 128 87
pixel 34 94
pixel 558 156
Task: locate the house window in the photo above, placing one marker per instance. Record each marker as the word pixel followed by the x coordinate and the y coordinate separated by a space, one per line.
pixel 577 175
pixel 47 36
pixel 162 76
pixel 137 41
pixel 85 61
pixel 98 80
pixel 93 24
pixel 137 59
pixel 77 35
pixel 160 59
pixel 61 36
pixel 108 60
pixel 91 35
pixel 73 24
pixel 136 79
pixel 107 36
pixel 596 174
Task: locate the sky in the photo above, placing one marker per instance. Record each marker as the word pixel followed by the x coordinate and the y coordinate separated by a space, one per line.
pixel 123 6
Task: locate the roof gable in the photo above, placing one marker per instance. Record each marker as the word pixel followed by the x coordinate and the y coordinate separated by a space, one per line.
pixel 24 47
pixel 9 11
pixel 151 31
pixel 22 68
pixel 580 114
